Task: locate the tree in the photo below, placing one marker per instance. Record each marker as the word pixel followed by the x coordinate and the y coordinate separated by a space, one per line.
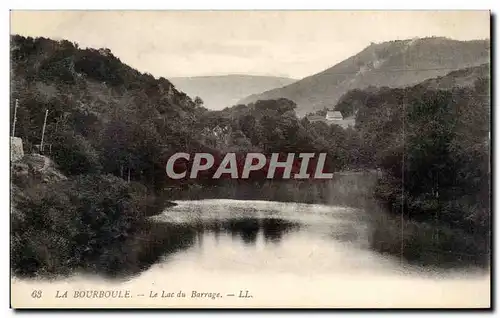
pixel 198 101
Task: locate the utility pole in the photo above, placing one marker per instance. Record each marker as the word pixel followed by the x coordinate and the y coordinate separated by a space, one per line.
pixel 15 119
pixel 43 129
pixel 128 168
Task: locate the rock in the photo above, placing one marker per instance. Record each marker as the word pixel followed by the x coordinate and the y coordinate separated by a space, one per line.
pixel 20 169
pixel 37 162
pixel 41 167
pixel 16 149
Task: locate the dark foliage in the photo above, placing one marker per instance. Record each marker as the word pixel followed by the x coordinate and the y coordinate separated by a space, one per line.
pixel 433 149
pixel 91 223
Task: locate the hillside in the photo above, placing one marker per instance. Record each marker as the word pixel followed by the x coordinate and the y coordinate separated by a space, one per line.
pixel 219 92
pixel 468 77
pixel 432 144
pixel 103 116
pixel 461 78
pixel 393 64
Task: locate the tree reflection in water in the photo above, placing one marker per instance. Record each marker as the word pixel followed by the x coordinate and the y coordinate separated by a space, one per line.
pixel 247 229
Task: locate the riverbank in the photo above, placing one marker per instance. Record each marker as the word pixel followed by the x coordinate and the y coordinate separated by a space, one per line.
pixel 92 223
pixel 100 223
pixel 345 189
pixel 429 243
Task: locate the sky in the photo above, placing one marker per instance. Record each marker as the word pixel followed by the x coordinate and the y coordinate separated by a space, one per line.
pixel 292 44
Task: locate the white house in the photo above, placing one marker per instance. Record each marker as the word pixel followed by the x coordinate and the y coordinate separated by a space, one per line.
pixel 334 115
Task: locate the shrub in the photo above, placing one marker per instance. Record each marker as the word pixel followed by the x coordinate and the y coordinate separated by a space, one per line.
pixel 89 223
pixel 75 155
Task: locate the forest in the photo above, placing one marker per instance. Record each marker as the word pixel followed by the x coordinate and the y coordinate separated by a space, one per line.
pixel 111 130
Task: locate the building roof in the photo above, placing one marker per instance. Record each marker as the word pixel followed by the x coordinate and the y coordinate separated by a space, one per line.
pixel 334 114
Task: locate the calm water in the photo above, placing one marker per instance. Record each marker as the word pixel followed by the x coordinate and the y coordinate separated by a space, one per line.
pixel 284 254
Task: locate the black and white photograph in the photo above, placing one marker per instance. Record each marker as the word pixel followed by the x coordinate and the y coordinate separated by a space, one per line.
pixel 225 159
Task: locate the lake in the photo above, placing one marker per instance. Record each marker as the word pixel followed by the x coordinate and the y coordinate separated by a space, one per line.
pixel 275 254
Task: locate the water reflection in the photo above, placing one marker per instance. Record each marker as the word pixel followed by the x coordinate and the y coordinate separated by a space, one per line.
pixel 246 229
pixel 165 239
pixel 236 226
pixel 273 229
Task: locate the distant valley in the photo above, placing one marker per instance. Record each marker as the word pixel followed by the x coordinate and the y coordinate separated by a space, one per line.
pixel 219 92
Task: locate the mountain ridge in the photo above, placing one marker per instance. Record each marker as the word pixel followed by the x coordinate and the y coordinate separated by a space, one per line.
pixel 396 63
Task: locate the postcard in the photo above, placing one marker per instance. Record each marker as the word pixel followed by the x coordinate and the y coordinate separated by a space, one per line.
pixel 250 159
